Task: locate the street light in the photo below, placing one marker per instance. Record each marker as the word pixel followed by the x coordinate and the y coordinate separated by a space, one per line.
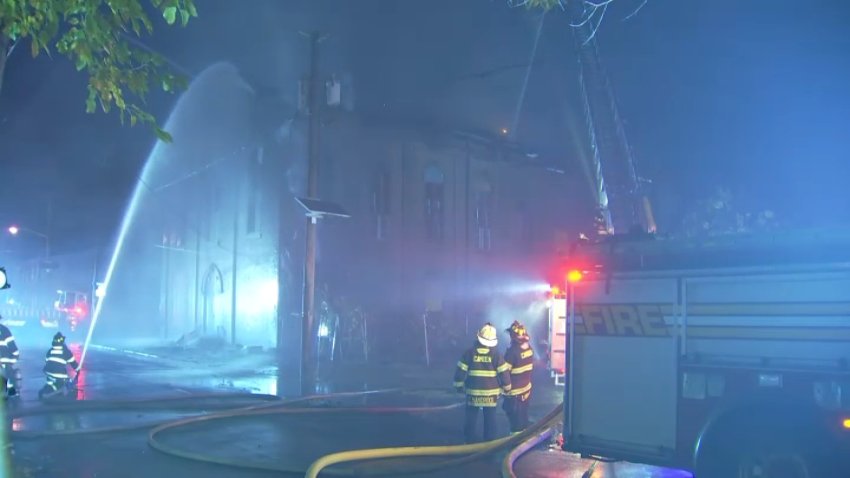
pixel 16 230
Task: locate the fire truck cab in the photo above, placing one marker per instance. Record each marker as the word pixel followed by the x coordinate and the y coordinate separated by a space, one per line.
pixel 73 307
pixel 726 358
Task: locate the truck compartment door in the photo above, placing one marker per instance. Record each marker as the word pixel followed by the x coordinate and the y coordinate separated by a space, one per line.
pixel 624 384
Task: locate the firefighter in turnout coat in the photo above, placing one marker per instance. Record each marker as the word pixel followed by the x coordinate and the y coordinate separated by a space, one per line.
pixel 9 355
pixel 56 364
pixel 483 375
pixel 520 359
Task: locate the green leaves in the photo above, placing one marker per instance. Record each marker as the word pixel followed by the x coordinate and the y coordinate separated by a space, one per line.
pixel 96 36
pixel 170 15
pixel 544 4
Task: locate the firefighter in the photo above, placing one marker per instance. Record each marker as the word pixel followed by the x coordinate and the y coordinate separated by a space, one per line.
pixel 483 376
pixel 520 359
pixel 57 361
pixel 9 355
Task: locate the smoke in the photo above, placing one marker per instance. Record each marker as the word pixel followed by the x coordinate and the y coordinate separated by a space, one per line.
pixel 502 314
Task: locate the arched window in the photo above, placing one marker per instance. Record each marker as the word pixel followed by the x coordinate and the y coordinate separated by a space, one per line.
pixel 434 202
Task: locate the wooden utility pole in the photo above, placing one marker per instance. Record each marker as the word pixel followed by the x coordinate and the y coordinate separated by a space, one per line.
pixel 308 363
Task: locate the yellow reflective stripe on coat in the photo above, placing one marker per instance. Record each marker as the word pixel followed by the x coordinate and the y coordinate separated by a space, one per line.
pixel 484 393
pixel 520 390
pixel 523 369
pixel 462 366
pixel 504 367
pixel 482 373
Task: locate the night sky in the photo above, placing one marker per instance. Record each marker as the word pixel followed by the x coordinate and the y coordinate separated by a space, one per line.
pixel 746 94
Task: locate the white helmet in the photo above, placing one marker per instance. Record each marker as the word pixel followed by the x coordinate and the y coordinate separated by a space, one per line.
pixel 488 336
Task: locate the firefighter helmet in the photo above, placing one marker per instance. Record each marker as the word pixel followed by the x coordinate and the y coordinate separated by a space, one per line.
pixel 518 332
pixel 58 339
pixel 487 336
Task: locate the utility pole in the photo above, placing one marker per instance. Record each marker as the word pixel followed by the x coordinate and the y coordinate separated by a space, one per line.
pixel 308 363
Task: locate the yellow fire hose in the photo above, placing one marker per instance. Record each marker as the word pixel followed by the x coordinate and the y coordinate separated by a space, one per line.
pixel 276 406
pixel 474 451
pixel 158 445
pixel 522 448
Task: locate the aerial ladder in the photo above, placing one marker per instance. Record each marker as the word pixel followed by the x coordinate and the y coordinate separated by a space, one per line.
pixel 619 192
pixel 622 201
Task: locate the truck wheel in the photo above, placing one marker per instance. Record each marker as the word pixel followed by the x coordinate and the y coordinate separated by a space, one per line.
pixel 768 454
pixel 775 464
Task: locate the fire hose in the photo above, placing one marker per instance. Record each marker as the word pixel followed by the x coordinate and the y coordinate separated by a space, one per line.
pixel 275 406
pixel 171 403
pixel 473 452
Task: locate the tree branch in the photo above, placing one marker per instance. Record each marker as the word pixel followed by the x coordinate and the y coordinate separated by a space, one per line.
pixel 642 4
pixel 4 54
pixel 592 11
pixel 596 28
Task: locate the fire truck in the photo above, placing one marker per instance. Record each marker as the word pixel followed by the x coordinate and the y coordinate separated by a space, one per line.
pixel 66 311
pixel 727 357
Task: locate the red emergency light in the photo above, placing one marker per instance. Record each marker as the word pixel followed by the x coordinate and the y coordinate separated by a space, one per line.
pixel 574 276
pixel 80 310
pixel 555 291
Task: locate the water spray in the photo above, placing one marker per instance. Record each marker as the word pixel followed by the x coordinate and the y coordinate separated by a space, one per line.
pixel 126 221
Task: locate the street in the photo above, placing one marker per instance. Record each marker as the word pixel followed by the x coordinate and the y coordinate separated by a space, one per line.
pixel 61 443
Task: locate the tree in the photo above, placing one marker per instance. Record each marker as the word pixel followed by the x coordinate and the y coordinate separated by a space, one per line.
pixel 589 13
pixel 96 35
pixel 718 214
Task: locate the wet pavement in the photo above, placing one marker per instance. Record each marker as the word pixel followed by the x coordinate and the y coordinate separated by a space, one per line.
pixel 52 445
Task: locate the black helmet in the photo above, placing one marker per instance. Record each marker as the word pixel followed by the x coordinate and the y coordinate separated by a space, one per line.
pixel 58 339
pixel 518 332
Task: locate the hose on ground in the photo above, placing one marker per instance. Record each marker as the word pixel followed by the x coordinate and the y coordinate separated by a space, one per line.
pixel 273 405
pixel 521 449
pixel 180 403
pixel 473 452
pixel 161 446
